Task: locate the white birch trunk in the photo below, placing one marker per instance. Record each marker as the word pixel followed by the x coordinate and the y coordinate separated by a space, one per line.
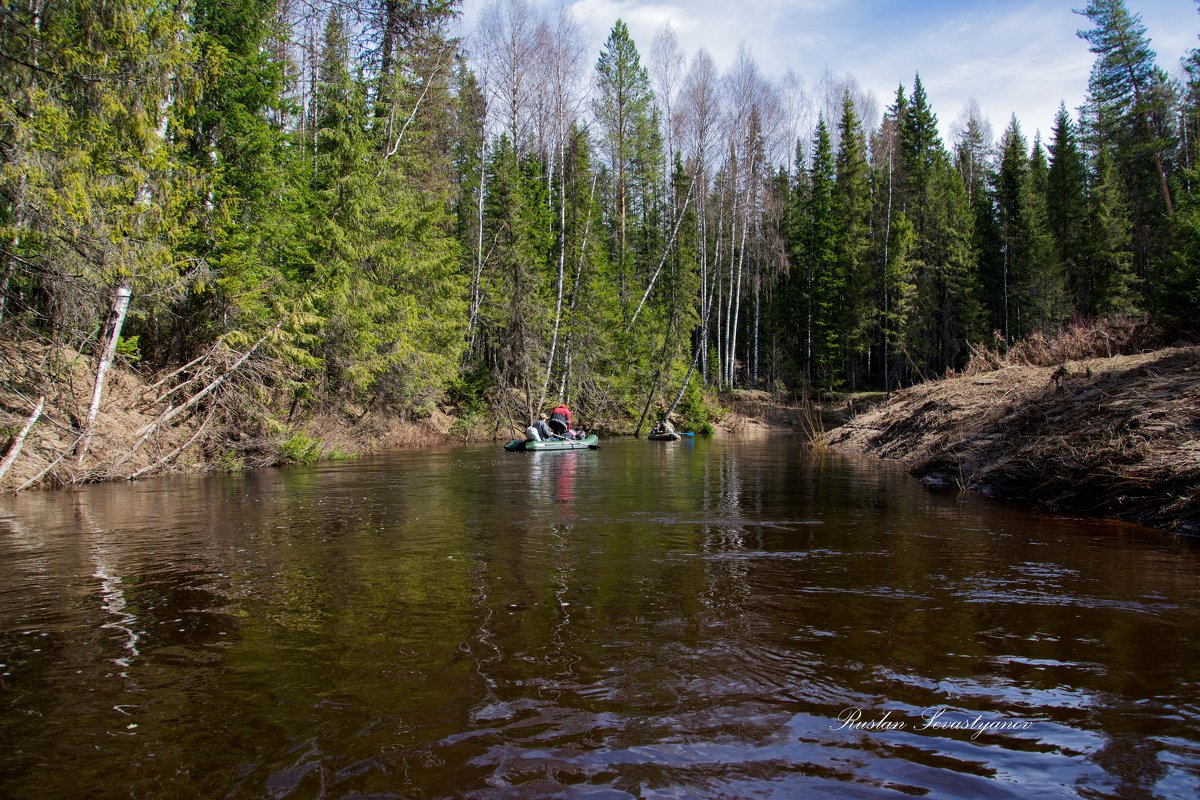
pixel 119 309
pixel 19 442
pixel 567 354
pixel 562 256
pixel 478 278
pixel 736 293
pixel 702 208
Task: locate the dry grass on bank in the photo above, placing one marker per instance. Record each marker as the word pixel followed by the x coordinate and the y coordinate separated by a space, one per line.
pixel 1115 436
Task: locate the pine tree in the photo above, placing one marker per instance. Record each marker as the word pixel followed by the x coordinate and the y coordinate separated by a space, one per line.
pixel 624 109
pixel 1130 112
pixel 1125 86
pixel 1179 292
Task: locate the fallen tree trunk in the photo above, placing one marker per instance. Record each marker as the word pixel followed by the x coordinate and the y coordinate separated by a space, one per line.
pixel 171 455
pixel 19 442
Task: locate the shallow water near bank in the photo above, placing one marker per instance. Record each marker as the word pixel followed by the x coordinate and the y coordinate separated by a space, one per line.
pixel 691 619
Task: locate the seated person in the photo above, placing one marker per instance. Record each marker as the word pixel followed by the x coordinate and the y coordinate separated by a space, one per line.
pixel 538 431
pixel 663 426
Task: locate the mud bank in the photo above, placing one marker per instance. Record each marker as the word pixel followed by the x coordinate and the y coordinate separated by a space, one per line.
pixel 1116 437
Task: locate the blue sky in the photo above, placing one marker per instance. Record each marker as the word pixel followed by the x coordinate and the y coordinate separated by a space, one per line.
pixel 1013 56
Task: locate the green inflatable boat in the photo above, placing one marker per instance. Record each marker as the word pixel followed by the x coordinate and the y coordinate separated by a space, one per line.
pixel 592 442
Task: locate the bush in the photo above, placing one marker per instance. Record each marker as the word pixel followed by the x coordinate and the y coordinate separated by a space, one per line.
pixel 697 410
pixel 300 449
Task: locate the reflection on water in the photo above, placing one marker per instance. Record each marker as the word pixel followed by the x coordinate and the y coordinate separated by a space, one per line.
pixel 700 619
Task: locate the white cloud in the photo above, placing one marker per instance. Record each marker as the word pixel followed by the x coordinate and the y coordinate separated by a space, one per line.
pixel 1011 56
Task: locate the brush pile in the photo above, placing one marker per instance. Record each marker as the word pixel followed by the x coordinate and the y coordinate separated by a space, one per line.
pixel 1114 436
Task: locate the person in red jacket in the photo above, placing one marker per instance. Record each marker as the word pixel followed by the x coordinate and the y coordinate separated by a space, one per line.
pixel 560 420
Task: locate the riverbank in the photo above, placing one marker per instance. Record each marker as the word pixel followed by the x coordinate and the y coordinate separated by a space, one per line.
pixel 137 434
pixel 1114 436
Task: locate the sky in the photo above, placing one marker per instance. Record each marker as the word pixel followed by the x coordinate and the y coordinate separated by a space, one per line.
pixel 1010 56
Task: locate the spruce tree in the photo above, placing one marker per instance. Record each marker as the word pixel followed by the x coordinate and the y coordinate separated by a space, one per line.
pixel 852 239
pixel 1044 300
pixel 827 297
pixel 1108 278
pixel 1066 203
pixel 1004 287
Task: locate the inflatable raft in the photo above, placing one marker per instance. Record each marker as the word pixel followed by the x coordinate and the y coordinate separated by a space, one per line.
pixel 591 442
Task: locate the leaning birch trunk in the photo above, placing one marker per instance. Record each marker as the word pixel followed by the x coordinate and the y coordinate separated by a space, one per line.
pixel 562 258
pixel 587 223
pixel 662 356
pixel 19 442
pixel 727 363
pixel 120 307
pixel 171 455
pixel 663 260
pixel 701 348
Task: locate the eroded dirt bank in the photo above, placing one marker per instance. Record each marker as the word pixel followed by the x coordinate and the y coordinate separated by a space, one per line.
pixel 1113 436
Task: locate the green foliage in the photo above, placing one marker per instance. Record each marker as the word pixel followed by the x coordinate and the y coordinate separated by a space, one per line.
pixel 229 461
pixel 127 348
pixel 699 410
pixel 300 448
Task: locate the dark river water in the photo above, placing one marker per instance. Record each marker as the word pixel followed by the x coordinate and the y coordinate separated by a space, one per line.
pixel 697 619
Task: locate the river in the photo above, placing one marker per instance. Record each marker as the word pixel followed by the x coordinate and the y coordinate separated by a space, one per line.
pixel 725 618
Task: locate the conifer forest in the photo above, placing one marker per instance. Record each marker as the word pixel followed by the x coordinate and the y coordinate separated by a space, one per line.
pixel 384 209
